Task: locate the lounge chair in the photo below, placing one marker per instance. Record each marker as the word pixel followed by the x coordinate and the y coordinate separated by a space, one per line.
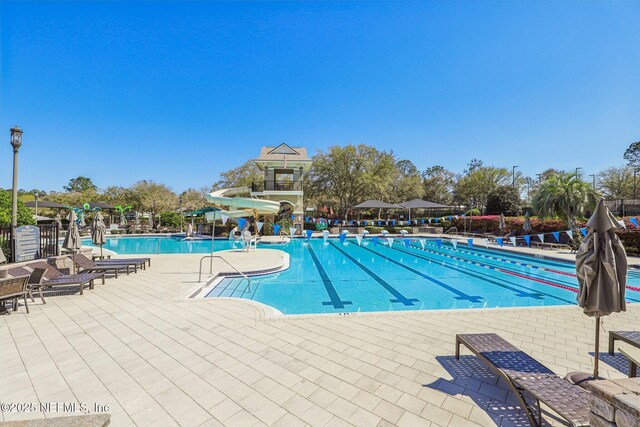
pixel 630 337
pixel 54 277
pixel 528 377
pixel 134 262
pixel 34 282
pixel 85 264
pixel 12 288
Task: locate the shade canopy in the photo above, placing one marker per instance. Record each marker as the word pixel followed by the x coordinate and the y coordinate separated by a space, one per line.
pixel 44 204
pixel 424 204
pixel 201 211
pixel 72 240
pixel 377 204
pixel 601 268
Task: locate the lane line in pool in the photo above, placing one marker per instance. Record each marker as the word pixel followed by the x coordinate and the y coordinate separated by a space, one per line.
pixel 336 301
pixel 504 271
pixel 393 291
pixel 535 294
pixel 460 295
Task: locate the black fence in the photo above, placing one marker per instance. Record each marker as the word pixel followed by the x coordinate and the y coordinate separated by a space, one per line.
pixel 49 235
pixel 624 207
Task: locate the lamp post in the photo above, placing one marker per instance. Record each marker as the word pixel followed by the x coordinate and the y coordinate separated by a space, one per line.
pixel 180 200
pixel 16 143
pixel 578 172
pixel 594 180
pixel 513 173
pixel 35 196
pixel 635 171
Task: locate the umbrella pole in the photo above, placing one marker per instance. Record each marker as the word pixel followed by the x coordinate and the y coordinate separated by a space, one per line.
pixel 101 256
pixel 596 362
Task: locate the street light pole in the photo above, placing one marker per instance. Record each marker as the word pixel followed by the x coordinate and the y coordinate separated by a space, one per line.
pixel 635 171
pixel 35 196
pixel 577 169
pixel 594 180
pixel 180 199
pixel 513 173
pixel 539 175
pixel 16 143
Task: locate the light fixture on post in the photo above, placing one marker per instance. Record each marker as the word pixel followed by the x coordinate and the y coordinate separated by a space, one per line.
pixel 16 143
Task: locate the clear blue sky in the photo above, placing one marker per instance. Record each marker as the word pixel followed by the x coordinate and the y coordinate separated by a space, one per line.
pixel 177 92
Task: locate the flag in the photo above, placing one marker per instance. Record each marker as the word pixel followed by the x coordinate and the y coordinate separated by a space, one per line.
pixel 429 220
pixel 359 239
pixel 293 217
pixel 342 237
pixel 513 240
pixel 583 230
pixel 455 244
pixel 450 217
pixel 570 233
pixel 407 242
pixel 259 224
pixel 470 242
pixel 422 242
pixel 309 233
pixel 621 222
pixel 485 242
pixel 500 241
pixel 556 235
pixel 422 221
pixel 455 216
pixel 527 239
pixel 634 221
pixel 241 223
pixel 276 229
pixel 437 220
pixel 541 237
pixel 438 242
pixel 390 240
pixel 292 230
pixel 375 240
pixel 224 219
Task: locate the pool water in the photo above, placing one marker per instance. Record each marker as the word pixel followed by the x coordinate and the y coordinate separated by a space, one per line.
pixel 162 245
pixel 333 277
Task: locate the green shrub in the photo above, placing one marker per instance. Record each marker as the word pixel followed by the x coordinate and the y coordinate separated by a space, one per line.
pixel 631 241
pixel 171 219
pixel 24 214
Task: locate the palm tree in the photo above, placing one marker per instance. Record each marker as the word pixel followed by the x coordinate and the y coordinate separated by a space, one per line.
pixel 564 195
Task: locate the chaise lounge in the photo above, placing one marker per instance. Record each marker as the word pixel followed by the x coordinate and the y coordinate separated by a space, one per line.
pixel 86 265
pixel 529 378
pixel 54 277
pixel 633 339
pixel 12 288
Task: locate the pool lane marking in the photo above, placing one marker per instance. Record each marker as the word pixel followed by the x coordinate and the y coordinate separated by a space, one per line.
pixel 504 271
pixel 510 261
pixel 460 255
pixel 393 291
pixel 535 294
pixel 460 295
pixel 328 284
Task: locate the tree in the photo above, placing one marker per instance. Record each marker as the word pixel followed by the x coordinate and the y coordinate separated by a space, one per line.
pixel 155 197
pixel 406 183
pixel 24 214
pixel 241 176
pixel 564 195
pixel 503 199
pixel 616 182
pixel 116 195
pixel 632 155
pixel 192 199
pixel 345 176
pixel 79 185
pixel 473 188
pixel 438 184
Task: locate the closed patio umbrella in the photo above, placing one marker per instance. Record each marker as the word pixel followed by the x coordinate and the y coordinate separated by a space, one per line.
pixel 501 224
pixel 98 231
pixel 601 267
pixel 72 240
pixel 526 227
pixel 58 221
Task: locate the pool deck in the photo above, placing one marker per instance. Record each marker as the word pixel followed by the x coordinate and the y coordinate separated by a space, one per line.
pixel 159 359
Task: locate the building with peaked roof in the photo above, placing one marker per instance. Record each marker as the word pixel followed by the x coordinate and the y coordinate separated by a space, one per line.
pixel 284 168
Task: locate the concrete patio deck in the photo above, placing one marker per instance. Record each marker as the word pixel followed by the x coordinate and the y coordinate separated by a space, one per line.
pixel 157 359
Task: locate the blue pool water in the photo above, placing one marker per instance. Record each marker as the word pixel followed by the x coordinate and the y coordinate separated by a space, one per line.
pixel 336 278
pixel 333 277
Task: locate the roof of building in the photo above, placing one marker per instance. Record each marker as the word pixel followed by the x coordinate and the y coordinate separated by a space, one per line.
pixel 284 151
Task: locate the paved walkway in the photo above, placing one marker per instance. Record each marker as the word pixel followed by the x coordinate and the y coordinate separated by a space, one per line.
pixel 157 359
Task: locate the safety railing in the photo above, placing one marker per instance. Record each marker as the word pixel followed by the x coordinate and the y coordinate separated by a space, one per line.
pixel 211 257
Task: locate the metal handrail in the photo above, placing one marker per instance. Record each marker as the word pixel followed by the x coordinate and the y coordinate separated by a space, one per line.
pixel 211 267
pixel 450 229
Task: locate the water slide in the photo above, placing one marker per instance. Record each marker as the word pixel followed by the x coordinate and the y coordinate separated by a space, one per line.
pixel 246 204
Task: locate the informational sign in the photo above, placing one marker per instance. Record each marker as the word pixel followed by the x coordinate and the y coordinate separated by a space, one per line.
pixel 27 243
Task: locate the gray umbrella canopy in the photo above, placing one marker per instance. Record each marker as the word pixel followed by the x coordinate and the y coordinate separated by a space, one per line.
pixel 501 223
pixel 82 223
pixel 72 240
pixel 58 220
pixel 526 227
pixel 601 267
pixel 98 231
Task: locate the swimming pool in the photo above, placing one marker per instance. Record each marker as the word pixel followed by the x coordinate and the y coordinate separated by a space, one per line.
pixel 333 277
pixel 174 244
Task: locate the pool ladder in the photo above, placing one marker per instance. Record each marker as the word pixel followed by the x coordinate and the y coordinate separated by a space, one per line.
pixel 211 257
